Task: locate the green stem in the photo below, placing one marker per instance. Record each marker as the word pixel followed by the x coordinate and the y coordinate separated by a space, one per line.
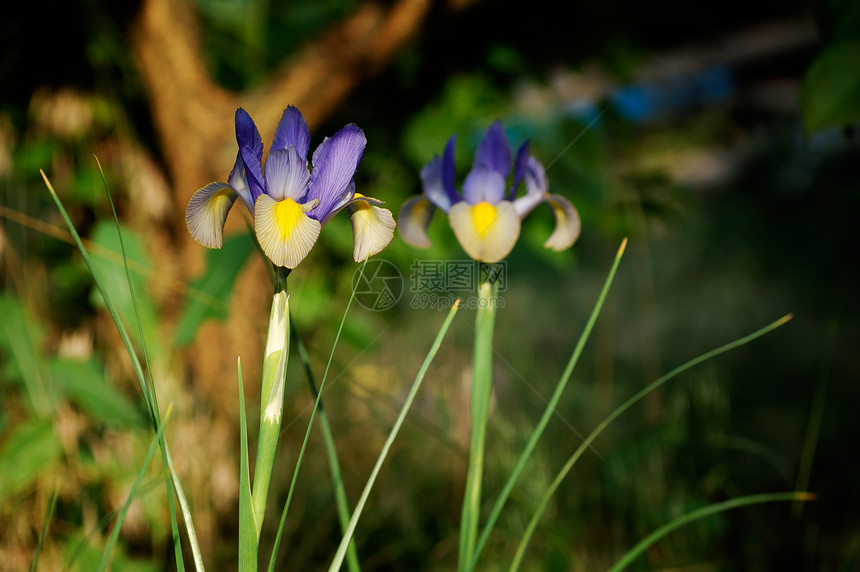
pixel 271 400
pixel 482 388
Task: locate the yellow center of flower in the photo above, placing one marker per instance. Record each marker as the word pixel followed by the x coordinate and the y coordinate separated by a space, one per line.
pixel 483 215
pixel 288 214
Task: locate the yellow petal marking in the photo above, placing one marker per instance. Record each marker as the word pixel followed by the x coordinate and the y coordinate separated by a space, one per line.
pixel 286 234
pixel 486 232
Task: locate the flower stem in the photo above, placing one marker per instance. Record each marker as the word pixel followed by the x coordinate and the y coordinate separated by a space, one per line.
pixel 271 399
pixel 482 386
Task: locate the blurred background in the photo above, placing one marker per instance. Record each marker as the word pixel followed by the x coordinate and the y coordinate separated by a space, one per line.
pixel 719 137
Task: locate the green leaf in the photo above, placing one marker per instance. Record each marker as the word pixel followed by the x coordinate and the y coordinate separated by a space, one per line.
pixel 21 337
pixel 211 292
pixel 830 94
pixel 30 450
pixel 84 382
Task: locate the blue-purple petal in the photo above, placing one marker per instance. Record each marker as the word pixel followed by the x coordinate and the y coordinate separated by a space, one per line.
pixel 286 174
pixel 335 162
pixel 251 150
pixel 293 130
pixel 494 152
pixel 519 169
pixel 448 169
pixel 483 185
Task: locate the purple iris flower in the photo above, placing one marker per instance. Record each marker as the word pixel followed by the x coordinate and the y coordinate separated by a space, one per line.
pixel 290 203
pixel 486 216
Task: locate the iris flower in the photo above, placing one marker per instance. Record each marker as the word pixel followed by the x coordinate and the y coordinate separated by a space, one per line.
pixel 288 202
pixel 486 216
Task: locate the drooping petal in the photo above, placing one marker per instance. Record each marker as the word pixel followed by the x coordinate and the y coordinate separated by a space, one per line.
pixel 483 185
pixel 335 162
pixel 567 223
pixel 519 169
pixel 207 210
pixel 285 233
pixel 292 130
pixel 494 152
pixel 251 151
pixel 486 232
pixel 537 187
pixel 414 217
pixel 239 182
pixel 286 174
pixel 372 227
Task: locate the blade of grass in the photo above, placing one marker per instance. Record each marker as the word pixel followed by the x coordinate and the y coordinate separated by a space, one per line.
pixel 247 525
pixel 151 397
pixel 618 411
pixel 114 535
pixel 407 404
pixel 43 533
pixel 548 412
pixel 286 509
pixel 141 377
pixel 343 509
pixel 683 520
pixel 482 390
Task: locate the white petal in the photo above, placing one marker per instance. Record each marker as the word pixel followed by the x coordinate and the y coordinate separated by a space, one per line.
pixel 372 228
pixel 207 210
pixel 285 233
pixel 415 216
pixel 486 232
pixel 567 223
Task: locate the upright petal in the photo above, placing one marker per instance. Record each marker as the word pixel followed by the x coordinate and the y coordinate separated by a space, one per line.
pixel 486 232
pixel 519 169
pixel 335 162
pixel 567 223
pixel 207 210
pixel 437 178
pixel 372 228
pixel 494 152
pixel 285 233
pixel 483 185
pixel 239 182
pixel 415 216
pixel 251 150
pixel 537 187
pixel 293 130
pixel 286 174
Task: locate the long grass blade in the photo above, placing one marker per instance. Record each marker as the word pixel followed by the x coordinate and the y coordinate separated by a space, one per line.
pixel 150 395
pixel 713 509
pixel 496 511
pixel 517 560
pixel 407 404
pixel 341 500
pixel 247 525
pixel 139 374
pixel 117 527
